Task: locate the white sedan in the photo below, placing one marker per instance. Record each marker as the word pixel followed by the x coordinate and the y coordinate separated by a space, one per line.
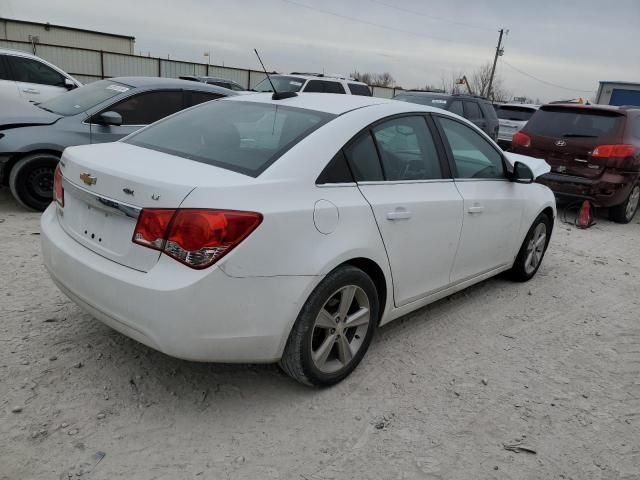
pixel 254 229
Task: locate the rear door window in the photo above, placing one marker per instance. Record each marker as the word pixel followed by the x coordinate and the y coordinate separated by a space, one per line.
pixel 472 111
pixel 32 71
pixel 148 107
pixel 359 89
pixel 456 107
pixel 407 149
pixel 567 122
pixel 244 137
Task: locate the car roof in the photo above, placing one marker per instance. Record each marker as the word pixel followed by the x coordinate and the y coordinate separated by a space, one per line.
pixel 530 105
pixel 318 76
pixel 162 82
pixel 11 51
pixel 419 93
pixel 332 103
pixel 593 106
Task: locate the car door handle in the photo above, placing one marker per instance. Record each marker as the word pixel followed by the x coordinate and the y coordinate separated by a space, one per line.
pixel 30 90
pixel 399 214
pixel 476 209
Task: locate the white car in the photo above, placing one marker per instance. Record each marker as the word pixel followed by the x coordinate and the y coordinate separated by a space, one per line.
pixel 512 117
pixel 257 230
pixel 29 77
pixel 313 83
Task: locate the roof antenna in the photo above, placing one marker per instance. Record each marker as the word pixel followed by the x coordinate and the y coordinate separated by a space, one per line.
pixel 276 95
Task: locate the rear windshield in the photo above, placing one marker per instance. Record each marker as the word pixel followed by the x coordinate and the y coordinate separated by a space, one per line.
pixel 282 84
pixel 573 122
pixel 438 101
pixel 244 137
pixel 83 98
pixel 509 112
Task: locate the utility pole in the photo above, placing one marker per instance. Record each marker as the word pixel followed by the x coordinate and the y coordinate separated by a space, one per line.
pixel 499 53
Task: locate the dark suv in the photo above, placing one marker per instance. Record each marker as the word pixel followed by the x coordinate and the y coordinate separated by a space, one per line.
pixel 476 109
pixel 594 153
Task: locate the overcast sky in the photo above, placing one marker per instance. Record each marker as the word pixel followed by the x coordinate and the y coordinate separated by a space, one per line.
pixel 569 43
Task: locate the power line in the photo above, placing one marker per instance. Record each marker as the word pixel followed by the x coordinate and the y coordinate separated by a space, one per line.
pixel 544 81
pixel 365 22
pixel 432 17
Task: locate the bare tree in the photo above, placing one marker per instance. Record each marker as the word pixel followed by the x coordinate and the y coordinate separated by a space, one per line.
pixel 384 79
pixel 479 81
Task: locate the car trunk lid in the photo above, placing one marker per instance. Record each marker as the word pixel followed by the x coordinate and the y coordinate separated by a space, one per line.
pixel 565 136
pixel 106 187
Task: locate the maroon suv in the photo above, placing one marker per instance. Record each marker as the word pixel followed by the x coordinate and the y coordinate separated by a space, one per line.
pixel 594 153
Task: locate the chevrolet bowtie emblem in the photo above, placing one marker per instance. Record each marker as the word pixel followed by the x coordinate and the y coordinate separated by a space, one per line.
pixel 88 178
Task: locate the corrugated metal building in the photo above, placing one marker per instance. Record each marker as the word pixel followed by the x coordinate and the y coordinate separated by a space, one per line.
pixel 48 34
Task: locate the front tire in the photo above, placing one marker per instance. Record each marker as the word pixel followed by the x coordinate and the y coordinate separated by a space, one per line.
pixel 533 249
pixel 625 212
pixel 334 329
pixel 31 180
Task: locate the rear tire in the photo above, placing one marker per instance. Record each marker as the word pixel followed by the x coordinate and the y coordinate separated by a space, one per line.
pixel 625 212
pixel 334 329
pixel 533 249
pixel 31 180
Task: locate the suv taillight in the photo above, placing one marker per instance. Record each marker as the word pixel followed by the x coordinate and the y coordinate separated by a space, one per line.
pixel 520 139
pixel 196 237
pixel 58 189
pixel 614 151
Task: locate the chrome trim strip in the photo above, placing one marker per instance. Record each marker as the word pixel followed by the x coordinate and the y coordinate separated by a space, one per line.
pixel 405 182
pixel 101 202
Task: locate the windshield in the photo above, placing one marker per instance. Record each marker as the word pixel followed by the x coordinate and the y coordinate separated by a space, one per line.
pixel 520 114
pixel 572 122
pixel 438 101
pixel 83 98
pixel 244 137
pixel 282 84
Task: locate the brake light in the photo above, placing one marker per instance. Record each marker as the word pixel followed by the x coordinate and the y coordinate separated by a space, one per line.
pixel 520 139
pixel 58 189
pixel 196 237
pixel 614 151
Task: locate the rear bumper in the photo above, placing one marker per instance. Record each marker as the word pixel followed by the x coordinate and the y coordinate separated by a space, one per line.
pixel 202 315
pixel 608 190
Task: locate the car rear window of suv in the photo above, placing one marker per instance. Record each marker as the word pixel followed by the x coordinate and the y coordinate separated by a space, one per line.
pixel 245 137
pixel 436 100
pixel 359 89
pixel 513 112
pixel 567 122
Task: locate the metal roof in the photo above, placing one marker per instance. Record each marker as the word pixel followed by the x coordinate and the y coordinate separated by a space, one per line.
pixel 27 22
pixel 620 82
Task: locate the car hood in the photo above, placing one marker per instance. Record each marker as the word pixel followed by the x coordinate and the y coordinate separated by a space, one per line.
pixel 15 113
pixel 538 166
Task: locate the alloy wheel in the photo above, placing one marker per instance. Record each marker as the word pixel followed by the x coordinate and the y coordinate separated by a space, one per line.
pixel 340 329
pixel 535 248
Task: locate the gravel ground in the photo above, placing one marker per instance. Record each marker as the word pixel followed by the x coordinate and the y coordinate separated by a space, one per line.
pixel 552 366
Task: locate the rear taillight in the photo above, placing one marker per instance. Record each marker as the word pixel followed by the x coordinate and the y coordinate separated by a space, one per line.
pixel 58 189
pixel 614 151
pixel 520 139
pixel 196 237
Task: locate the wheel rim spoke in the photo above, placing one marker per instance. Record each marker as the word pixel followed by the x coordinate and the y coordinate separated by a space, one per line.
pixel 529 258
pixel 346 300
pixel 325 320
pixel 361 317
pixel 344 350
pixel 320 356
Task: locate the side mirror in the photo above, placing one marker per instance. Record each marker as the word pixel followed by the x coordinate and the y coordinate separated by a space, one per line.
pixel 69 85
pixel 110 118
pixel 522 173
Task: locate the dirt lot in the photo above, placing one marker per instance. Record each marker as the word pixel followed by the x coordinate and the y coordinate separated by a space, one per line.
pixel 552 365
